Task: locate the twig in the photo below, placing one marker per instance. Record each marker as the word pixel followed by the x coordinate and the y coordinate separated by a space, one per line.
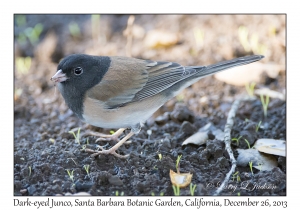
pixel 227 140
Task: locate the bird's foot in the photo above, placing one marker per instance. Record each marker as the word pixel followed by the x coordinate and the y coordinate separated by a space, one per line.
pixel 105 137
pixel 113 149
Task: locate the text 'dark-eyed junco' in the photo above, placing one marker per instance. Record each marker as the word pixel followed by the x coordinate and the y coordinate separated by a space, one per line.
pixel 122 92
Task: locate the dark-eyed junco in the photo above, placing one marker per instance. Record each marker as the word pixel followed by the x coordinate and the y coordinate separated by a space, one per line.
pixel 121 92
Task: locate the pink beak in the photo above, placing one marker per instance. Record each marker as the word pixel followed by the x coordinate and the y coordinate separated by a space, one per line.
pixel 59 76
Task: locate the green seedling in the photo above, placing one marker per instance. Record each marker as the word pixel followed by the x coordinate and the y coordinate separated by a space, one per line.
pixel 256 47
pixel 23 65
pixel 70 173
pixel 159 156
pixel 177 163
pixel 237 176
pixel 111 132
pixel 21 20
pixel 199 37
pixel 74 30
pixel 243 37
pixel 77 137
pixel 238 194
pixel 265 104
pixel 86 168
pixel 161 194
pixel 237 140
pixel 257 126
pixel 250 165
pixel 152 193
pixel 29 167
pixel 33 34
pixel 117 193
pixel 247 143
pixel 192 189
pixel 250 88
pixel 176 190
pixel 83 147
pixel 95 19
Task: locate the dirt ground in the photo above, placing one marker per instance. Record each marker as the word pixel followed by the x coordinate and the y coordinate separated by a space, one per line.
pixel 45 151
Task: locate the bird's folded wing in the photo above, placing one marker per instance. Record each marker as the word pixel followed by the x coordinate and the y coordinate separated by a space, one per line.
pixel 130 80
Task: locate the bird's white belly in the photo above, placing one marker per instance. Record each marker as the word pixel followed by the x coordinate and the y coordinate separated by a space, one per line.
pixel 122 117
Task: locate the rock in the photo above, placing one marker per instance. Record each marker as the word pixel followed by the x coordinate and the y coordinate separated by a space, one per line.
pixel 198 138
pixel 187 128
pixel 31 189
pixel 182 113
pixel 115 180
pixel 162 119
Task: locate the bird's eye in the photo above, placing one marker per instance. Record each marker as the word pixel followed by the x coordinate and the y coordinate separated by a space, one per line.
pixel 78 71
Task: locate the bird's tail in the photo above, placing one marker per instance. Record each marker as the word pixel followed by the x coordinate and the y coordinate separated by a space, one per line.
pixel 211 69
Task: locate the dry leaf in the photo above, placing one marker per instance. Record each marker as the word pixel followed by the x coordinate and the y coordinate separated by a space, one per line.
pixel 181 180
pixel 259 160
pixel 271 146
pixel 198 138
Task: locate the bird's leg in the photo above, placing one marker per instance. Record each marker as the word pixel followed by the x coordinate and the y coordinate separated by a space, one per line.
pixel 114 148
pixel 105 137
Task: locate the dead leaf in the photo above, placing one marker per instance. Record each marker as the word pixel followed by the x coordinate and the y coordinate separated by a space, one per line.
pixel 259 160
pixel 271 146
pixel 180 179
pixel 198 138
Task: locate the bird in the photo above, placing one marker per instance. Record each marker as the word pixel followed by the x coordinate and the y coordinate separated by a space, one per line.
pixel 118 92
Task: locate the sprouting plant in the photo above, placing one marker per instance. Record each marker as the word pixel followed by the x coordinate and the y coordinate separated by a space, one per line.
pixel 23 64
pixel 86 168
pixel 33 34
pixel 117 193
pixel 29 167
pixel 159 156
pixel 111 132
pixel 237 140
pixel 257 126
pixel 199 37
pixel 83 147
pixel 74 29
pixel 243 37
pixel 250 88
pixel 161 194
pixel 250 165
pixel 177 163
pixel 77 137
pixel 95 19
pixel 239 194
pixel 176 190
pixel 87 141
pixel 237 176
pixel 247 143
pixel 70 173
pixel 192 189
pixel 265 104
pixel 152 193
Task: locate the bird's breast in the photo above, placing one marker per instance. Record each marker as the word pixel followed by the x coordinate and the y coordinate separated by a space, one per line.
pixel 95 113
